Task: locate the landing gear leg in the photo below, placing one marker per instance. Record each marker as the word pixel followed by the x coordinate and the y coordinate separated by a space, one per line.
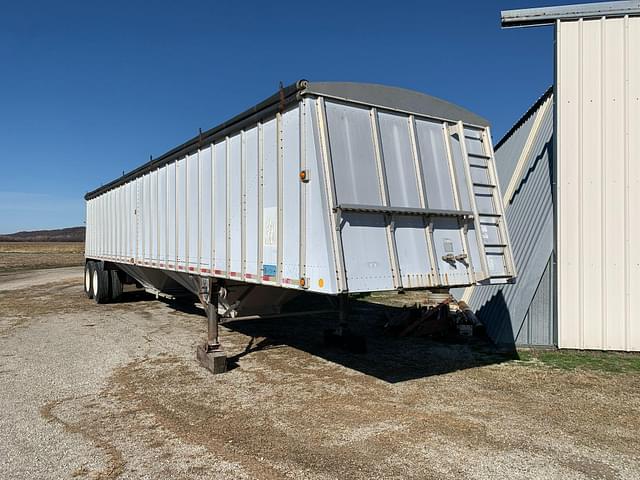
pixel 343 314
pixel 211 355
pixel 342 336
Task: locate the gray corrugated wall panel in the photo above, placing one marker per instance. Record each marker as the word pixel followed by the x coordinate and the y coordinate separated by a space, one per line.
pixel 508 153
pixel 540 323
pixel 522 313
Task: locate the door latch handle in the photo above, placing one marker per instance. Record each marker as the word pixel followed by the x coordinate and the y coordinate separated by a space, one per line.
pixel 462 258
pixel 449 257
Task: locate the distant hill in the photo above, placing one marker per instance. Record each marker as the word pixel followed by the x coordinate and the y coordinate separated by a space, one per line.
pixel 73 234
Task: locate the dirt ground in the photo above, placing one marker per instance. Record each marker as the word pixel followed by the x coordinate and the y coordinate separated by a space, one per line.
pixel 16 256
pixel 114 391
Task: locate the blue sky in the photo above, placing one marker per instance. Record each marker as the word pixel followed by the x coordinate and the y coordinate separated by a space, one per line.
pixel 89 89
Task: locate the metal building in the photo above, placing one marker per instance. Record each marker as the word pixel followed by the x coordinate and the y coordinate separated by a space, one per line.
pixel 596 168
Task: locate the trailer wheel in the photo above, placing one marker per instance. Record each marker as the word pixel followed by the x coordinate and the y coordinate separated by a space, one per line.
pixel 100 283
pixel 116 285
pixel 88 279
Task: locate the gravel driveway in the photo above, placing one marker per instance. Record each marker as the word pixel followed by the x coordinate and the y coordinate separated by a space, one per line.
pixel 114 391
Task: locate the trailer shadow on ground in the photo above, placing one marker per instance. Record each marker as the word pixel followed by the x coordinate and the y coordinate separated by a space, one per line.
pixel 389 358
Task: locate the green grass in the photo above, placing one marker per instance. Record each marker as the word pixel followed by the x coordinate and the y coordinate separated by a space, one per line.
pixel 578 360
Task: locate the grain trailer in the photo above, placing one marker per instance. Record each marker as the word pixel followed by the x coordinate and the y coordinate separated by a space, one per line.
pixel 332 188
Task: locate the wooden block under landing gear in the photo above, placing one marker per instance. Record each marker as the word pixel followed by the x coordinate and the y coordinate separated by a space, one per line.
pixel 215 361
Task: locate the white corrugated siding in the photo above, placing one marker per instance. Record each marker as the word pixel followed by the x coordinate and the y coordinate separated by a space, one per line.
pixel 598 221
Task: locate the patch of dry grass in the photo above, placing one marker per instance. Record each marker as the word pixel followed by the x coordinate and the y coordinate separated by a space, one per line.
pixel 18 256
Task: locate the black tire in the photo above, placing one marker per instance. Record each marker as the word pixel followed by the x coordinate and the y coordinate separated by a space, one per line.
pixel 116 285
pixel 88 279
pixel 100 284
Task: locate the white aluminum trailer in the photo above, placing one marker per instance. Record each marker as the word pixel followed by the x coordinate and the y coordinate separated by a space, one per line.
pixel 331 188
